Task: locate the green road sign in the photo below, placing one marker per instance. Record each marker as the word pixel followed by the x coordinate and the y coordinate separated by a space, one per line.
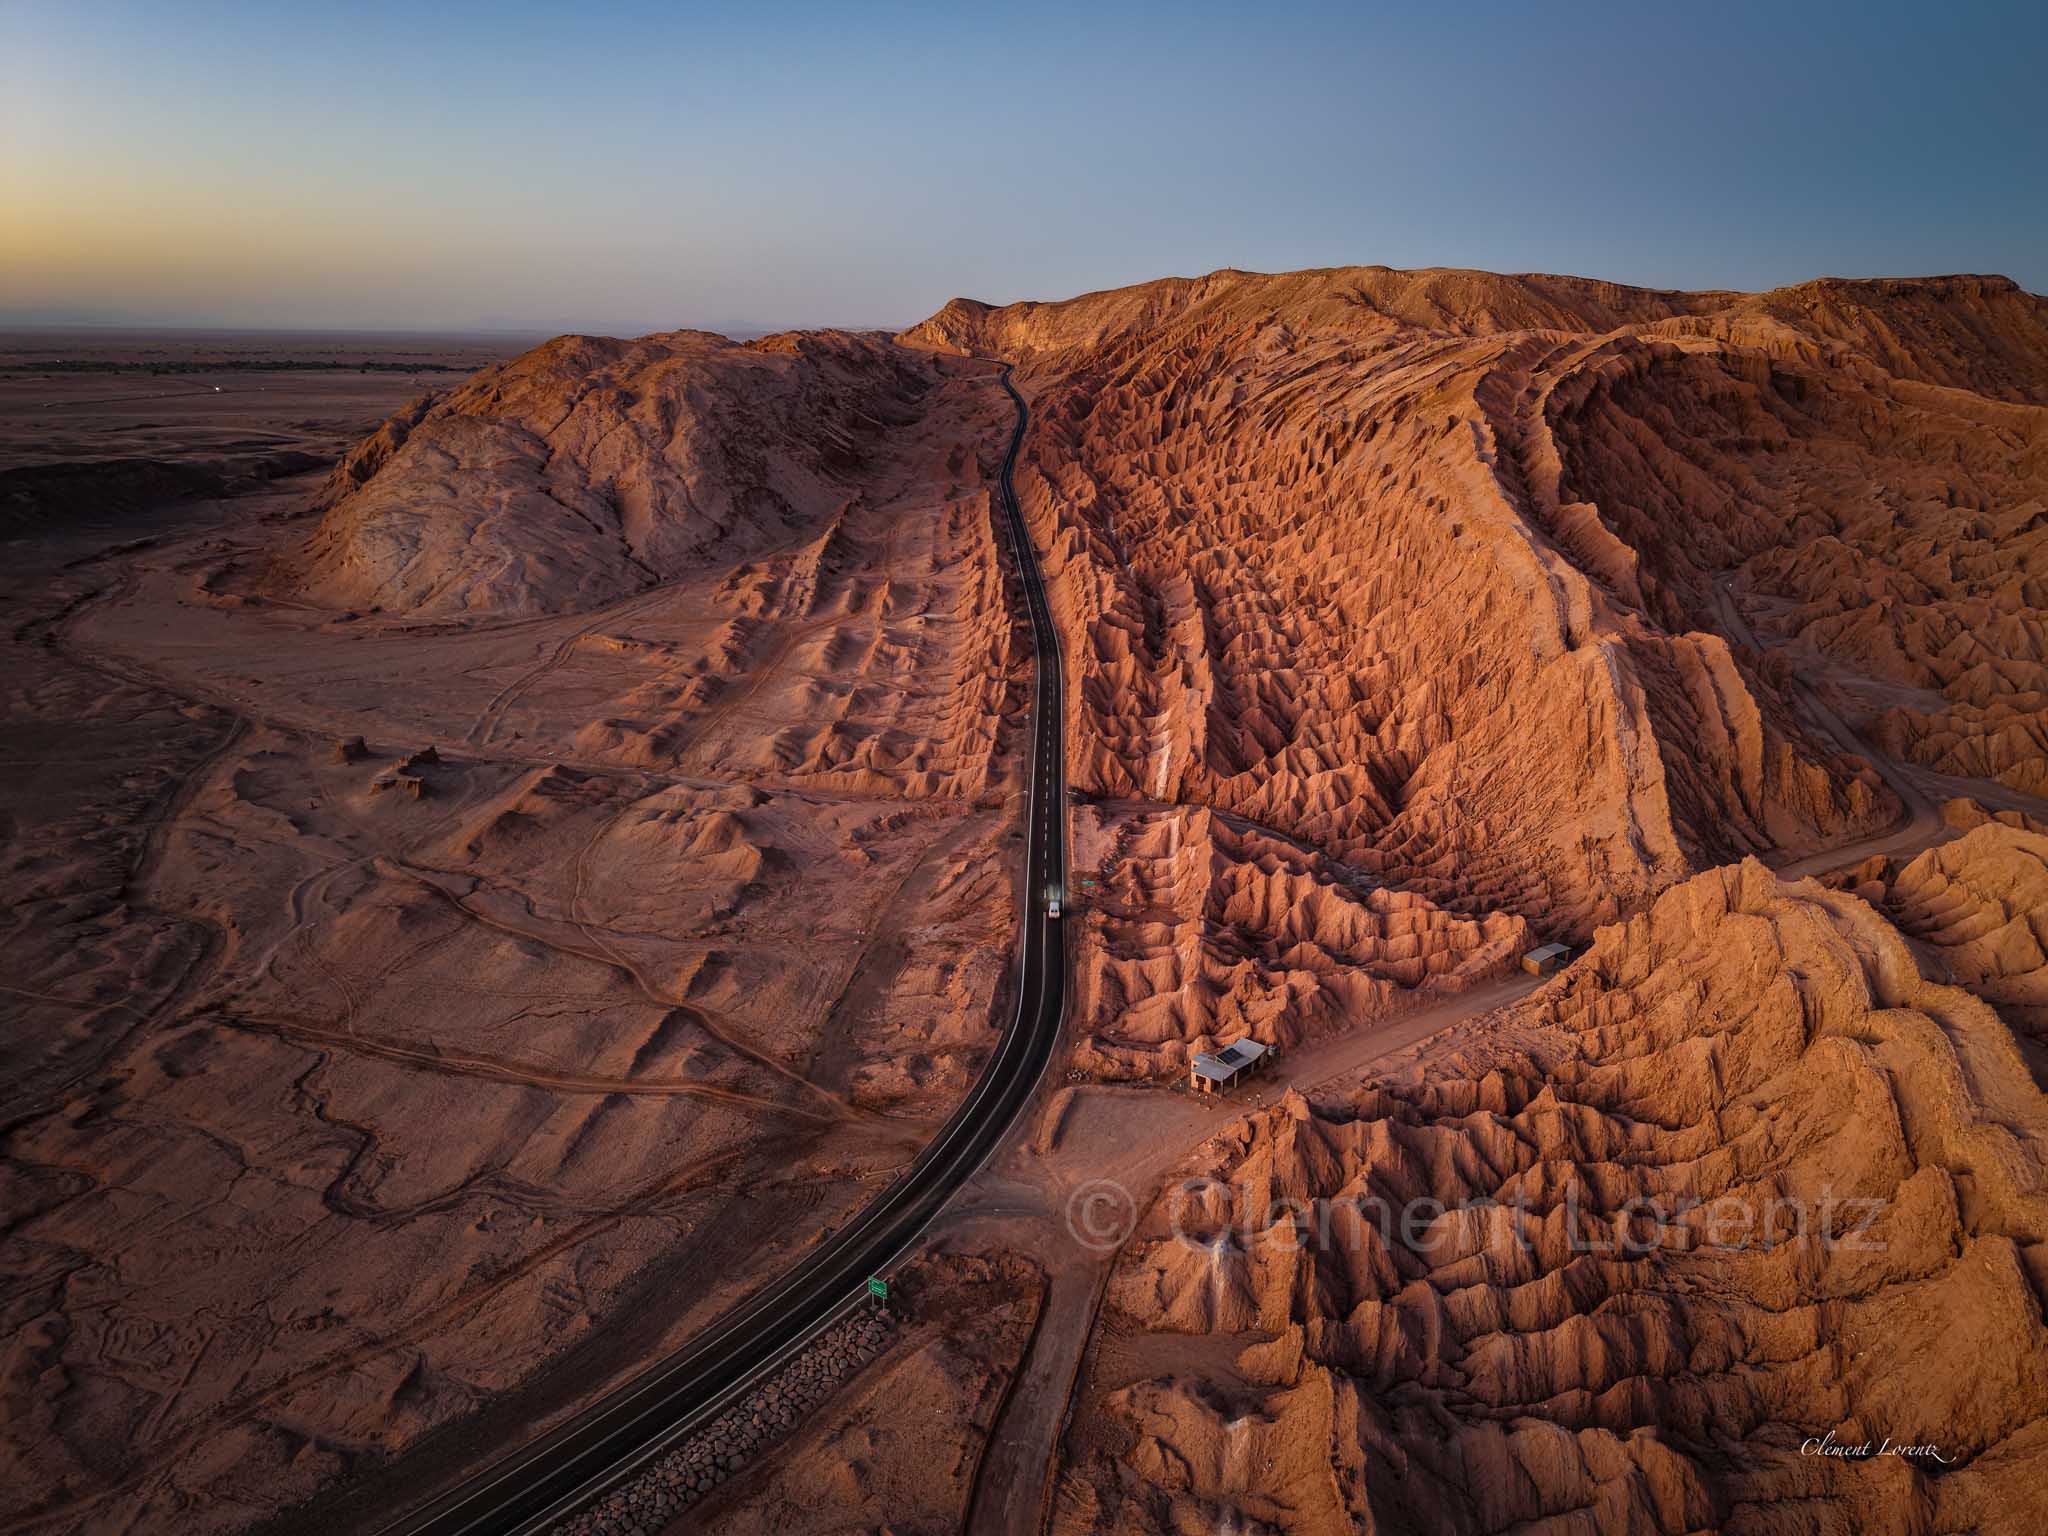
pixel 878 1288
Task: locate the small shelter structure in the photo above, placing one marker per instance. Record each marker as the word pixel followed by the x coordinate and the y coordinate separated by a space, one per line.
pixel 1211 1070
pixel 1545 958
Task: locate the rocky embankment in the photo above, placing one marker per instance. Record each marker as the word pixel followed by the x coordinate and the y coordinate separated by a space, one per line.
pixel 726 1445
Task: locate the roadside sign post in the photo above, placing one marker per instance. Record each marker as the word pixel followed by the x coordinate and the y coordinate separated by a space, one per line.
pixel 878 1288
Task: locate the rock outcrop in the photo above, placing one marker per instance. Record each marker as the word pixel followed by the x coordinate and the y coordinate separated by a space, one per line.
pixel 1202 929
pixel 590 468
pixel 1979 906
pixel 1744 1183
pixel 1501 588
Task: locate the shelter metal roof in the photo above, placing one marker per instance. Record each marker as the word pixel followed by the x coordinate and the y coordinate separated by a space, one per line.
pixel 1228 1062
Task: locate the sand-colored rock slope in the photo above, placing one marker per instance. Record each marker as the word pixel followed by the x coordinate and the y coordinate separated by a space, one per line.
pixel 1978 906
pixel 1203 928
pixel 1750 1177
pixel 589 468
pixel 1501 588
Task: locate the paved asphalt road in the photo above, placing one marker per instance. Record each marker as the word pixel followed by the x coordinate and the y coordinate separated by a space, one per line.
pixel 553 1476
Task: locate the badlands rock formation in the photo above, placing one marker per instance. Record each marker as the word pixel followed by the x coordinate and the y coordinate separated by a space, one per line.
pixel 1746 1180
pixel 1979 908
pixel 1510 590
pixel 1472 599
pixel 589 468
pixel 1409 617
pixel 1203 928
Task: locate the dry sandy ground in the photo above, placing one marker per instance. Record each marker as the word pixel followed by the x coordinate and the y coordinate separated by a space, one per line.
pixel 350 1091
pixel 95 424
pixel 206 397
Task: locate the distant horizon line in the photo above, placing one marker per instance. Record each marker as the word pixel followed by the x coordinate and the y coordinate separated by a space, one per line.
pixel 753 330
pixel 538 332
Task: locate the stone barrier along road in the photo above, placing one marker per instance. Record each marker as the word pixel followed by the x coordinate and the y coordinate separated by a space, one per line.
pixel 723 1447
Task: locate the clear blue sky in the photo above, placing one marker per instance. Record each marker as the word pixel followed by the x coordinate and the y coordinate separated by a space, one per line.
pixel 552 166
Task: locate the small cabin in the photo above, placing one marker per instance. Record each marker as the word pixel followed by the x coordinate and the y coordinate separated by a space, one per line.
pixel 1211 1070
pixel 1545 959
